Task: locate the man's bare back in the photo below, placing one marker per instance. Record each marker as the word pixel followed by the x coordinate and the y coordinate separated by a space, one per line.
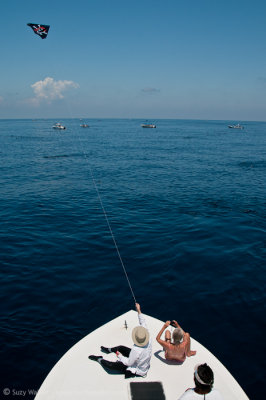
pixel 177 352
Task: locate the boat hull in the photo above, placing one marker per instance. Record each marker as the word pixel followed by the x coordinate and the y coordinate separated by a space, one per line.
pixel 235 127
pixel 148 126
pixel 58 126
pixel 77 377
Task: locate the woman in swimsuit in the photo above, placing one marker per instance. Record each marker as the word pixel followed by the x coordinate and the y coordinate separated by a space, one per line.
pixel 179 347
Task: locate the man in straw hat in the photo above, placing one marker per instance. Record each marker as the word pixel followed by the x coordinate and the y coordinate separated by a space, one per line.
pixel 177 348
pixel 203 378
pixel 131 362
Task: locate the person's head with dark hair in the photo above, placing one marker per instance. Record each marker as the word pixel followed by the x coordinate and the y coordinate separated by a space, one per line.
pixel 203 378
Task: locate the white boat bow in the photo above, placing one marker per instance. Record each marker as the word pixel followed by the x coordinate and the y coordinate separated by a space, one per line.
pixel 75 377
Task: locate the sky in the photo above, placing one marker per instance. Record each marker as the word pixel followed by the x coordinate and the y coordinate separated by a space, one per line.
pixel 190 59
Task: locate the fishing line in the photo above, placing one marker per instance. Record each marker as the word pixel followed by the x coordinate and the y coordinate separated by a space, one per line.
pixel 104 212
pixel 42 31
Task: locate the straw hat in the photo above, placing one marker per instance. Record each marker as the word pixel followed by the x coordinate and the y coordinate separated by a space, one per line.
pixel 140 336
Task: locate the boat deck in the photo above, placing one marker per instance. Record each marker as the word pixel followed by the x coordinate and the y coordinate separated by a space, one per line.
pixel 77 377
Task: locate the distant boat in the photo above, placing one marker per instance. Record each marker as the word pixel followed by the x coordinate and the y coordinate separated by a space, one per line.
pixel 84 126
pixel 148 126
pixel 237 126
pixel 58 126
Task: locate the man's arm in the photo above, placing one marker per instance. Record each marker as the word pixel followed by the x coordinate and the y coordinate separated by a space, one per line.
pixel 138 308
pixel 176 324
pixel 142 321
pixel 158 337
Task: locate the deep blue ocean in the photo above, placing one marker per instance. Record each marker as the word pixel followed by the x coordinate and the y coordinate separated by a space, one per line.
pixel 186 203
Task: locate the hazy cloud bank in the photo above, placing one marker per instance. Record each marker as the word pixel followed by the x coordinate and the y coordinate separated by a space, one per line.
pixel 150 90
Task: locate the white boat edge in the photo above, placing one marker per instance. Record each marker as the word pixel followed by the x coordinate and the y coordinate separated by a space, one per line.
pixel 76 377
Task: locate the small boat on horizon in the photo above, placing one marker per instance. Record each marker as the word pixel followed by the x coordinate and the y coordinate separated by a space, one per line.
pixel 148 126
pixel 84 125
pixel 58 126
pixel 237 126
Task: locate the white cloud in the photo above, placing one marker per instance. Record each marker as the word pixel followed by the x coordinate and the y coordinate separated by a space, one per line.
pixel 49 89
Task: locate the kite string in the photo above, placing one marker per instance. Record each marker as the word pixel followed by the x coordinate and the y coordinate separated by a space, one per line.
pixel 106 218
pixel 111 232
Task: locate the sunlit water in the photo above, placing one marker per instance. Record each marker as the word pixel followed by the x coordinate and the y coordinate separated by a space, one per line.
pixel 186 203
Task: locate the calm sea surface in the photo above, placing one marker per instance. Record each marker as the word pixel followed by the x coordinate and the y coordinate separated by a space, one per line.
pixel 186 202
